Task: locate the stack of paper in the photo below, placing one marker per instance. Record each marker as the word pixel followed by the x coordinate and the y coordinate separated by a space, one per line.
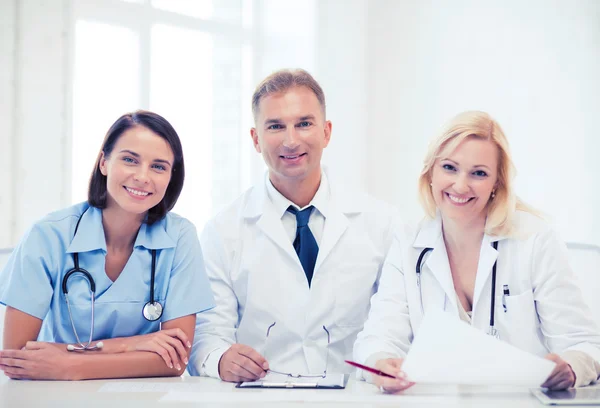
pixel 447 350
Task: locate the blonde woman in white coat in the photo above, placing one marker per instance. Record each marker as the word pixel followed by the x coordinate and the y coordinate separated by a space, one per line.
pixel 466 189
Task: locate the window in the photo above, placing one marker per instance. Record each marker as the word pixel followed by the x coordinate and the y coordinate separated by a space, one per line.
pixel 184 59
pixel 195 62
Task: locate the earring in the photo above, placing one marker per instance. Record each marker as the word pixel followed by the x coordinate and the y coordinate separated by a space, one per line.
pixel 493 193
pixel 431 184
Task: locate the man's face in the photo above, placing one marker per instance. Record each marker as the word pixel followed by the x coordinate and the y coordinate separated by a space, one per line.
pixel 291 134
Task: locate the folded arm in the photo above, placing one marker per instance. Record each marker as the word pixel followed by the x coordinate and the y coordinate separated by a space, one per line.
pixel 137 356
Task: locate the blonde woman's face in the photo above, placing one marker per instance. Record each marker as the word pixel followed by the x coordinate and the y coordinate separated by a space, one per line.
pixel 463 181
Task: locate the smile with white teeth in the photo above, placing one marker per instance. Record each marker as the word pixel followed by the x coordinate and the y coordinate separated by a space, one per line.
pixel 291 157
pixel 457 199
pixel 137 192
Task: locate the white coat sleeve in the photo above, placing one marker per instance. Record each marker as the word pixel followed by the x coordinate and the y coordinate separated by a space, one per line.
pixel 566 321
pixel 216 328
pixel 387 333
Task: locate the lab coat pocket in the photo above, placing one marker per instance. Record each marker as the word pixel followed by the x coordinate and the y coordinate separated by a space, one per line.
pixel 519 322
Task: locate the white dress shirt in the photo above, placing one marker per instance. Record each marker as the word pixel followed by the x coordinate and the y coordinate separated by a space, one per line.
pixel 316 222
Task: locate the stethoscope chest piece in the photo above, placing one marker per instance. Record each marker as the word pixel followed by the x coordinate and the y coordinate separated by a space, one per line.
pixel 152 311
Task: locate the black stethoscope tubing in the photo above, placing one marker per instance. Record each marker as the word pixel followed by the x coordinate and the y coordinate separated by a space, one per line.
pixel 492 330
pixel 157 308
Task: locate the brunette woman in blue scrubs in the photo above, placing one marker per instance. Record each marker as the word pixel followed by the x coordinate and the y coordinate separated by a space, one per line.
pixel 143 262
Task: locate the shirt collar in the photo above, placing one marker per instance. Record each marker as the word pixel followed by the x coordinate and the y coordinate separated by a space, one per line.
pixel 320 201
pixel 90 234
pixel 154 236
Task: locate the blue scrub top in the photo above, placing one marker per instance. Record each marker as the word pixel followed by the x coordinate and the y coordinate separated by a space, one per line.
pixel 32 278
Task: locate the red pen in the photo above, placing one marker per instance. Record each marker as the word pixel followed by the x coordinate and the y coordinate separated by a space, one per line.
pixel 369 369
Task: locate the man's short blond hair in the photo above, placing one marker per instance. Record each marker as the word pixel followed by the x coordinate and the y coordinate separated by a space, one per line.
pixel 283 80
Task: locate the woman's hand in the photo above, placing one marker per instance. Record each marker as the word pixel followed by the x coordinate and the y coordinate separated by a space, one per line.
pixel 38 361
pixel 171 344
pixel 391 366
pixel 562 376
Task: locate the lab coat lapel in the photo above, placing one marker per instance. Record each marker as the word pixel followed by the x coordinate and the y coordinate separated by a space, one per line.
pixel 430 236
pixel 272 226
pixel 439 266
pixel 335 225
pixel 259 206
pixel 487 256
pixel 341 204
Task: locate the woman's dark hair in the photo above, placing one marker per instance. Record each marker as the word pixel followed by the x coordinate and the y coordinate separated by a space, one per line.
pixel 97 192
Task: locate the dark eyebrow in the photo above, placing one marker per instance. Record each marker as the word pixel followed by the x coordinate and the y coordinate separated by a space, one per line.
pixel 162 161
pixel 134 154
pixel 475 167
pixel 273 122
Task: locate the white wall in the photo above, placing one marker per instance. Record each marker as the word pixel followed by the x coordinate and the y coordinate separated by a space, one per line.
pixel 533 65
pixel 3 258
pixel 584 261
pixel 7 95
pixel 33 48
pixel 342 72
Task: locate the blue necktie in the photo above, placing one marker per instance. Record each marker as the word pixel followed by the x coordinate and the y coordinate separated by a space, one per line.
pixel 305 245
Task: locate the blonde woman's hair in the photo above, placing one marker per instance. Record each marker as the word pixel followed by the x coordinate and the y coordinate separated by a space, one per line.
pixel 478 125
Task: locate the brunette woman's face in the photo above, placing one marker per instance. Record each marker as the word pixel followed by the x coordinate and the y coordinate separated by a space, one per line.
pixel 138 170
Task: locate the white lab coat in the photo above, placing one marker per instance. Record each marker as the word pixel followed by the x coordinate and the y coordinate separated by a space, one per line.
pixel 257 279
pixel 545 311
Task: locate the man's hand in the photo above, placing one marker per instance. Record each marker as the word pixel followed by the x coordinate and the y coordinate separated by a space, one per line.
pixel 242 363
pixel 391 366
pixel 562 376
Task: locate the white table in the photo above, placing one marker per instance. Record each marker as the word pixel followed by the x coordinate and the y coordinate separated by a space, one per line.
pixel 85 394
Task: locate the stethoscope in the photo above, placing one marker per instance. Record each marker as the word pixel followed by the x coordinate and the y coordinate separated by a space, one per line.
pixel 152 311
pixel 491 330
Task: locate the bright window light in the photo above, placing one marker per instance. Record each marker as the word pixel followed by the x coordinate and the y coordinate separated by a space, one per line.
pixel 181 89
pixel 105 86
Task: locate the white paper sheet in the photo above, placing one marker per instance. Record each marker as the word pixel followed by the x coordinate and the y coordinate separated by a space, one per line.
pixel 447 350
pixel 145 386
pixel 274 395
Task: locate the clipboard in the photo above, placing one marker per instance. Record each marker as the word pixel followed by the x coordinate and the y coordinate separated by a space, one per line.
pixel 331 382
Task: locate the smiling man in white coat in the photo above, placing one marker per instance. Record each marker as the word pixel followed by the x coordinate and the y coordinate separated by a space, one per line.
pixel 294 261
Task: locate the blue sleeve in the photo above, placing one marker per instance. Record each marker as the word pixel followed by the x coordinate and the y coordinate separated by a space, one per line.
pixel 26 281
pixel 189 289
